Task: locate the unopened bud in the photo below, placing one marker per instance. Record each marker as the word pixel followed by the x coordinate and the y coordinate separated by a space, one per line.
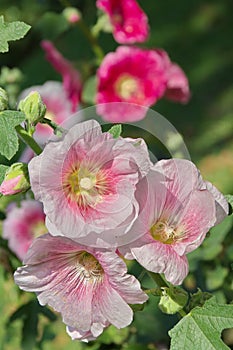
pixel 3 100
pixel 16 179
pixel 173 299
pixel 33 107
pixel 72 15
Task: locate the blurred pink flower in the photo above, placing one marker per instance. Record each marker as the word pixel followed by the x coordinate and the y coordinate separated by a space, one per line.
pixel 177 88
pixel 22 225
pixel 90 287
pixel 130 23
pixel 87 181
pixel 59 107
pixel 130 75
pixel 177 210
pixel 71 77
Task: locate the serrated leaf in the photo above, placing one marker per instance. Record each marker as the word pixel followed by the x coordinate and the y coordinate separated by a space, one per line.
pixel 9 140
pixel 116 131
pixel 3 169
pixel 10 32
pixel 202 327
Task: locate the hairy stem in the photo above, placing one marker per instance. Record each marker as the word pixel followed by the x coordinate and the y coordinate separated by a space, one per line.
pixel 28 139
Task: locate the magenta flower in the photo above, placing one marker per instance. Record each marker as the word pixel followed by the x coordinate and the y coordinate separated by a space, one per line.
pixel 131 75
pixel 177 210
pixel 22 225
pixel 71 77
pixel 130 23
pixel 90 287
pixel 59 107
pixel 87 181
pixel 177 88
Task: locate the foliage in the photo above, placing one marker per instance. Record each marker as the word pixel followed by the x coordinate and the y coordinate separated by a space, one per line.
pixel 11 31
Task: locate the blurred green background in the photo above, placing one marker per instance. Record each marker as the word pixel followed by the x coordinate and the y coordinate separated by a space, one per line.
pixel 198 35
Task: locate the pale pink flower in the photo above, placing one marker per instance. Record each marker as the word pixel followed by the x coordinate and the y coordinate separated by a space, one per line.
pixel 71 77
pixel 59 107
pixel 89 287
pixel 87 181
pixel 131 75
pixel 177 88
pixel 177 210
pixel 130 23
pixel 22 225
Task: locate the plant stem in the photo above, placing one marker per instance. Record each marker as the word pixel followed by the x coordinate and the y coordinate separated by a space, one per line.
pixel 28 139
pixel 92 39
pixel 53 125
pixel 158 279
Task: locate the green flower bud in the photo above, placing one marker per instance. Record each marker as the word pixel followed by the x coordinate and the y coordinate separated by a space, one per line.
pixel 33 107
pixel 72 15
pixel 16 179
pixel 3 100
pixel 173 299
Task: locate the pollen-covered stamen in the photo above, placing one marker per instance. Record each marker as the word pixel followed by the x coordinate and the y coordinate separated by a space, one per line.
pixel 166 233
pixel 88 267
pixel 86 187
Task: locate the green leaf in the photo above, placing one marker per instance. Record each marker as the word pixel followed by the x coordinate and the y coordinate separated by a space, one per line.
pixel 202 327
pixel 3 169
pixel 11 31
pixel 114 335
pixel 51 25
pixel 9 140
pixel 115 131
pixel 89 90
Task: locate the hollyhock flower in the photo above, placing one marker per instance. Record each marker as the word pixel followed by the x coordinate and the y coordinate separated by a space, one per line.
pixel 59 107
pixel 87 181
pixel 22 225
pixel 71 77
pixel 131 75
pixel 130 23
pixel 177 210
pixel 177 88
pixel 89 287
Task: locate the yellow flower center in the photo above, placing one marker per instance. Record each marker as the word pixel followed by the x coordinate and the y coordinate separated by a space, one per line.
pixel 127 87
pixel 165 233
pixel 88 267
pixel 85 187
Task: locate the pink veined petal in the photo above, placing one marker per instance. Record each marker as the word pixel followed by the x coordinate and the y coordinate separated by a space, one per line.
pixel 196 219
pixel 161 258
pixel 113 307
pixel 222 207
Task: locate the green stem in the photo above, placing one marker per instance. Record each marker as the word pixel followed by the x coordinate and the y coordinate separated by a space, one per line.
pixel 158 279
pixel 53 125
pixel 28 139
pixel 92 39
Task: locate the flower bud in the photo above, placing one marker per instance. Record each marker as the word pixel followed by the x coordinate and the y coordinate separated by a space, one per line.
pixel 33 107
pixel 72 15
pixel 3 100
pixel 172 300
pixel 16 179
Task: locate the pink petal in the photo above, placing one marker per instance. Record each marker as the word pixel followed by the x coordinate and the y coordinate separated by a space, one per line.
pixel 222 207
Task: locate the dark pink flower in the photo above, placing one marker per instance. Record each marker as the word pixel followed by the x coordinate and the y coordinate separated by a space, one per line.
pixel 177 210
pixel 90 287
pixel 22 225
pixel 71 77
pixel 131 75
pixel 130 23
pixel 177 88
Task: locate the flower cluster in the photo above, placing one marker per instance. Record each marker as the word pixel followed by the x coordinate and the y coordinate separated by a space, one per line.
pixel 104 200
